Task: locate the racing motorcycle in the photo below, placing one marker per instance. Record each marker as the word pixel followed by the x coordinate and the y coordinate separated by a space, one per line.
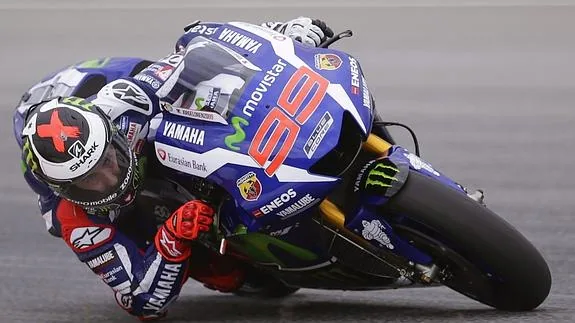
pixel 285 144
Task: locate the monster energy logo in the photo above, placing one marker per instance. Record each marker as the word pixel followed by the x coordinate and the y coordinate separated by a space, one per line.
pixel 140 171
pixel 28 157
pixel 79 102
pixel 239 135
pixel 381 171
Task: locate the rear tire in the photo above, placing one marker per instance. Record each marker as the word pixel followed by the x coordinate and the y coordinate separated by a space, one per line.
pixel 498 266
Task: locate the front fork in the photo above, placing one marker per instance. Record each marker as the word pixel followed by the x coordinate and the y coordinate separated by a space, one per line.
pixel 370 229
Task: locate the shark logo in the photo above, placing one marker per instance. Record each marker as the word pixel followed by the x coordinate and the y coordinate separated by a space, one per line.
pixel 239 136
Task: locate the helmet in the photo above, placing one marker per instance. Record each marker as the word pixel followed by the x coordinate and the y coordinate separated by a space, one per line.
pixel 71 145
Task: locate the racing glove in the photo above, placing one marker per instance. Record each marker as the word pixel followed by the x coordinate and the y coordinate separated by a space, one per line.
pixel 305 30
pixel 184 225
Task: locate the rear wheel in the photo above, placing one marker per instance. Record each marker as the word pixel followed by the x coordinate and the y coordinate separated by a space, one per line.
pixel 479 254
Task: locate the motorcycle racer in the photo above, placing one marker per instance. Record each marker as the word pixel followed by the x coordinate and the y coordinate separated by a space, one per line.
pixel 86 160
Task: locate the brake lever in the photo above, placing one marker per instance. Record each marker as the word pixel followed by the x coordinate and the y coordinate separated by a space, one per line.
pixel 329 41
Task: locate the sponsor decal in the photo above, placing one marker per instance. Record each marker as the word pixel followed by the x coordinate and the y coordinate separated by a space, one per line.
pixel 203 30
pixel 284 231
pixel 199 115
pixel 84 157
pixel 354 69
pixel 100 260
pixel 267 81
pixel 169 245
pixel 366 98
pixel 276 203
pixel 154 83
pixel 318 134
pixel 86 238
pixel 181 163
pixel 173 59
pixel 250 187
pixel 124 300
pixel 164 72
pixel 360 175
pixel 300 205
pixel 127 179
pixel 96 203
pixel 239 136
pixel 77 149
pixel 328 62
pixel 131 94
pixel 133 131
pixel 211 101
pixel 184 133
pixel 78 102
pixel 376 176
pixel 242 41
pixel 374 231
pixel 417 163
pixel 110 277
pixel 29 157
pixel 164 287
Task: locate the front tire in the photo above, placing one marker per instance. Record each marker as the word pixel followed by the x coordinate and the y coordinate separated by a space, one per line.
pixel 488 259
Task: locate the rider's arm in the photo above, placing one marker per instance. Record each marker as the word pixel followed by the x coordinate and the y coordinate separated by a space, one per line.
pixel 144 280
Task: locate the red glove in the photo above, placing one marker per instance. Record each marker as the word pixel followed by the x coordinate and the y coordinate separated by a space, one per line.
pixel 185 224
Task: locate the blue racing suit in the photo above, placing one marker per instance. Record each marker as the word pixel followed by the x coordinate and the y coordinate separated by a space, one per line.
pixel 139 271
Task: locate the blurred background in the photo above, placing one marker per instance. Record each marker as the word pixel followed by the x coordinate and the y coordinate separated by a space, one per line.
pixel 488 86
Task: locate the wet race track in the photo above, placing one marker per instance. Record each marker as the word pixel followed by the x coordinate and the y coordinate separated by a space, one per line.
pixel 490 91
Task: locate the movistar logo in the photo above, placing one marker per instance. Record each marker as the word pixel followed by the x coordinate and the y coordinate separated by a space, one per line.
pixel 239 135
pixel 381 171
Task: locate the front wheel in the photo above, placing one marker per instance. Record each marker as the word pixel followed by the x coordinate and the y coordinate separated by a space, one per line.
pixel 479 254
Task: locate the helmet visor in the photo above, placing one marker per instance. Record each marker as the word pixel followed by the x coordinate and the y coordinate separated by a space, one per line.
pixel 108 180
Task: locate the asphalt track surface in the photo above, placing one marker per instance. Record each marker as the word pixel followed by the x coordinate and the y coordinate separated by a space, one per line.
pixel 489 89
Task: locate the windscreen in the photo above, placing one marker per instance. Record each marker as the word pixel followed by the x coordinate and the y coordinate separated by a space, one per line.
pixel 212 79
